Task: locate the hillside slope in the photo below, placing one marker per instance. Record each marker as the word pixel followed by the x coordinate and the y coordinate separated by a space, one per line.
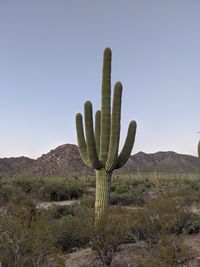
pixel 65 159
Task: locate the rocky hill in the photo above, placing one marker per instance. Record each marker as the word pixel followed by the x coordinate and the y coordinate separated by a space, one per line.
pixel 13 166
pixel 65 159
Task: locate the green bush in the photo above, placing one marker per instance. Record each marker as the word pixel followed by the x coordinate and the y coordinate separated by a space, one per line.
pixel 160 216
pixel 121 188
pixel 57 212
pixel 132 197
pixel 49 188
pixel 73 231
pixel 129 182
pixel 26 239
pixel 185 190
pixel 7 191
pixel 126 199
pixel 129 190
pixel 57 189
pixel 109 234
pixel 68 234
pixel 28 184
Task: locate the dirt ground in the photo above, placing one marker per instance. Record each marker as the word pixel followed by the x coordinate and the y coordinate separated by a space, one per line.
pixel 86 258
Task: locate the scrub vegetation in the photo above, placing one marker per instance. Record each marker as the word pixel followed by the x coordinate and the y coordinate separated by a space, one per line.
pixel 152 211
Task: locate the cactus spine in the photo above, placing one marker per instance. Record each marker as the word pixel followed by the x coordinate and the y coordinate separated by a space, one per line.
pixel 99 147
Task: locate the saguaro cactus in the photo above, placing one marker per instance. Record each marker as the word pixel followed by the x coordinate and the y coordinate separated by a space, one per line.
pixel 99 147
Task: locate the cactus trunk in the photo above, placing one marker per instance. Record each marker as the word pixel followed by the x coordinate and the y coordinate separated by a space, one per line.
pixel 103 180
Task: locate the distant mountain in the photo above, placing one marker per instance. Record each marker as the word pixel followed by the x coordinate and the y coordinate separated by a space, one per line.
pixel 13 166
pixel 164 162
pixel 65 159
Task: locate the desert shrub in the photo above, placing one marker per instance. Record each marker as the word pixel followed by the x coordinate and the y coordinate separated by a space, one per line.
pixel 26 239
pixel 18 185
pixel 7 191
pixel 133 196
pixel 109 234
pixel 49 188
pixel 126 199
pixel 129 181
pixel 191 224
pixel 121 188
pixel 170 251
pixel 129 190
pixel 27 183
pixel 160 216
pixel 57 189
pixel 185 193
pixel 89 181
pixel 139 181
pixel 185 190
pixel 57 212
pixel 73 231
pixel 22 207
pixel 87 201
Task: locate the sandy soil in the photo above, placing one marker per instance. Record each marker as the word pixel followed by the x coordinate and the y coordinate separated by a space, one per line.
pixel 47 204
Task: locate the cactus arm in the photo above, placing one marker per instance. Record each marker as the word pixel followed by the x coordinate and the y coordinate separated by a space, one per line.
pixel 115 129
pixel 90 139
pixel 128 145
pixel 97 130
pixel 199 149
pixel 81 139
pixel 105 106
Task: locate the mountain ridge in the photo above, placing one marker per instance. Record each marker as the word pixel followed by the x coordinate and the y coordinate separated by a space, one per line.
pixel 65 159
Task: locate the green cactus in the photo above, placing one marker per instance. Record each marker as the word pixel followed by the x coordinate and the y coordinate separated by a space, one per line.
pixel 99 147
pixel 199 149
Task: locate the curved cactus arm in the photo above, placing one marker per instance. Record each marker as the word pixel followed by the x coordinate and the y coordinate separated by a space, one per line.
pixel 90 139
pixel 128 145
pixel 115 129
pixel 97 130
pixel 105 106
pixel 199 149
pixel 81 139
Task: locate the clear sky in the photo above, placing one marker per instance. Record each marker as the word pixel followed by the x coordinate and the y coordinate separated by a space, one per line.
pixel 51 61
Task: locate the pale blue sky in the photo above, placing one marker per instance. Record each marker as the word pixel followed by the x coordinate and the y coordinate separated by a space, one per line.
pixel 51 60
